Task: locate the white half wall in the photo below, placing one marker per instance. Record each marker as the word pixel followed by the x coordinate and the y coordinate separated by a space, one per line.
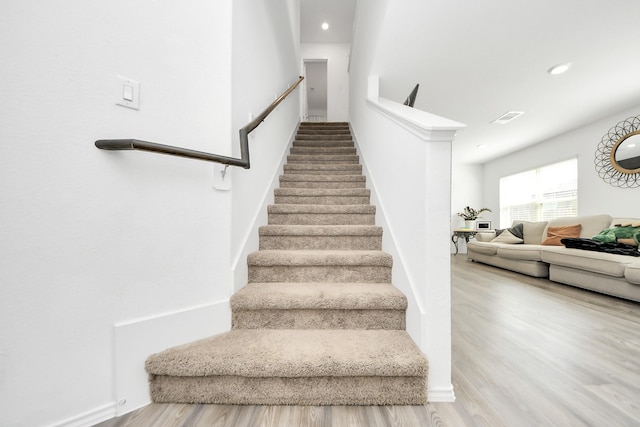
pixel 414 206
pixel 337 56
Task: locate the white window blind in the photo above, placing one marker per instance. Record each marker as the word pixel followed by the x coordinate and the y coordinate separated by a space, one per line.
pixel 540 194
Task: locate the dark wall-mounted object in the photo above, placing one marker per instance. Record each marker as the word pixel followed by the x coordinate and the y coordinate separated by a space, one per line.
pixel 411 99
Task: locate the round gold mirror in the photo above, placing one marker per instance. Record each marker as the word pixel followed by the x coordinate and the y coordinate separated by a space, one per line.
pixel 617 158
pixel 625 156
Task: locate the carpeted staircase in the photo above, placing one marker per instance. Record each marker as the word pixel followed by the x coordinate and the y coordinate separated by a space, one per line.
pixel 319 322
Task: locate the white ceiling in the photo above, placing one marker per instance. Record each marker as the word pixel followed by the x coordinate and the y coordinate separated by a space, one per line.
pixel 475 61
pixel 338 14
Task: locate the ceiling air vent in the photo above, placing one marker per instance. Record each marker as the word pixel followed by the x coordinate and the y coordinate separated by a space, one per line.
pixel 507 117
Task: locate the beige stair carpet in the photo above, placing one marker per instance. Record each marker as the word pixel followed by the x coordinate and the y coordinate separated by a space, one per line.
pixel 319 322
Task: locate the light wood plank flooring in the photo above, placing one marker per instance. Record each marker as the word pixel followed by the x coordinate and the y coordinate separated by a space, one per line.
pixel 526 352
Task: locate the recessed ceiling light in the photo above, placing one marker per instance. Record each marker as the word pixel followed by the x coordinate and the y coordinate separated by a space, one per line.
pixel 507 117
pixel 559 69
pixel 325 26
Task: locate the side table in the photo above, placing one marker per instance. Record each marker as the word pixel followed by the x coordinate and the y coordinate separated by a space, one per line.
pixel 465 233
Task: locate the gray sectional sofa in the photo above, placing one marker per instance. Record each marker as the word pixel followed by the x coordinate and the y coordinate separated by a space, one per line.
pixel 612 274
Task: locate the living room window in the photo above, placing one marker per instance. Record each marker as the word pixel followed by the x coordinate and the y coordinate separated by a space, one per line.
pixel 540 194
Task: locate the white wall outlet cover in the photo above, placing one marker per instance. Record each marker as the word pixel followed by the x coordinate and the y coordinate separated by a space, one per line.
pixel 128 93
pixel 221 177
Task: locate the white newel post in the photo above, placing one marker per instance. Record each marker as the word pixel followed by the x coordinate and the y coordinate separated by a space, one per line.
pixel 436 320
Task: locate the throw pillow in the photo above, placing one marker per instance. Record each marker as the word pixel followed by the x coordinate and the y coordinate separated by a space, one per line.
pixel 555 234
pixel 533 232
pixel 517 230
pixel 507 236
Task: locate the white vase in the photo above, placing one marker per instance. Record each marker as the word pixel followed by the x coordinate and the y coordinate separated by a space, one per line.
pixel 470 224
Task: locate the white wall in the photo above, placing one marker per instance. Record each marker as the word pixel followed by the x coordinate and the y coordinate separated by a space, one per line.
pixel 266 61
pixel 594 195
pixel 337 56
pixel 92 238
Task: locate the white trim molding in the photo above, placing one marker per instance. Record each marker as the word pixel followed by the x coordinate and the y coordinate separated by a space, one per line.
pixel 89 418
pixel 441 394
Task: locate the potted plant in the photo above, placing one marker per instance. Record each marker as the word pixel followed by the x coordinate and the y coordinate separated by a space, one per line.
pixel 470 215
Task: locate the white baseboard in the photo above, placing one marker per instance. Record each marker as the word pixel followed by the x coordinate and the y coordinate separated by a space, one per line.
pixel 135 340
pixel 442 394
pixel 89 418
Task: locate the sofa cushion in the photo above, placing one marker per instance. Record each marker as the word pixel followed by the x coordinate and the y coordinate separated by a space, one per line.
pixel 485 248
pixel 596 262
pixel 556 234
pixel 532 232
pixel 591 225
pixel 521 252
pixel 632 273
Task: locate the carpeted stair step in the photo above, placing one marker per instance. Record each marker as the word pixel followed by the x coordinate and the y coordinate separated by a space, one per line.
pixel 329 137
pixel 324 125
pixel 292 367
pixel 318 306
pixel 336 130
pixel 320 237
pixel 324 150
pixel 308 123
pixel 320 196
pixel 284 214
pixel 337 266
pixel 306 130
pixel 322 158
pixel 323 169
pixel 320 144
pixel 322 181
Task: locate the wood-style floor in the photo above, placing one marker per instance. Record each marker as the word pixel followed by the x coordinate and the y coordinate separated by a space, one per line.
pixel 526 352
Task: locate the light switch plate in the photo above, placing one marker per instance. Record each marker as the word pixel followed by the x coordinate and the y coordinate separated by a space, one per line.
pixel 128 93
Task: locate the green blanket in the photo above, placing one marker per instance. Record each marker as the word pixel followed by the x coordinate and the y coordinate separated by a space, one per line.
pixel 624 234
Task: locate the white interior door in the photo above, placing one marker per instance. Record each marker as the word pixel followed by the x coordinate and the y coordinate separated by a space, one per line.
pixel 315 90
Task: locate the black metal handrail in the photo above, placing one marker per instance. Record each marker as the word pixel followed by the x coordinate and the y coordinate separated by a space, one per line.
pixel 243 161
